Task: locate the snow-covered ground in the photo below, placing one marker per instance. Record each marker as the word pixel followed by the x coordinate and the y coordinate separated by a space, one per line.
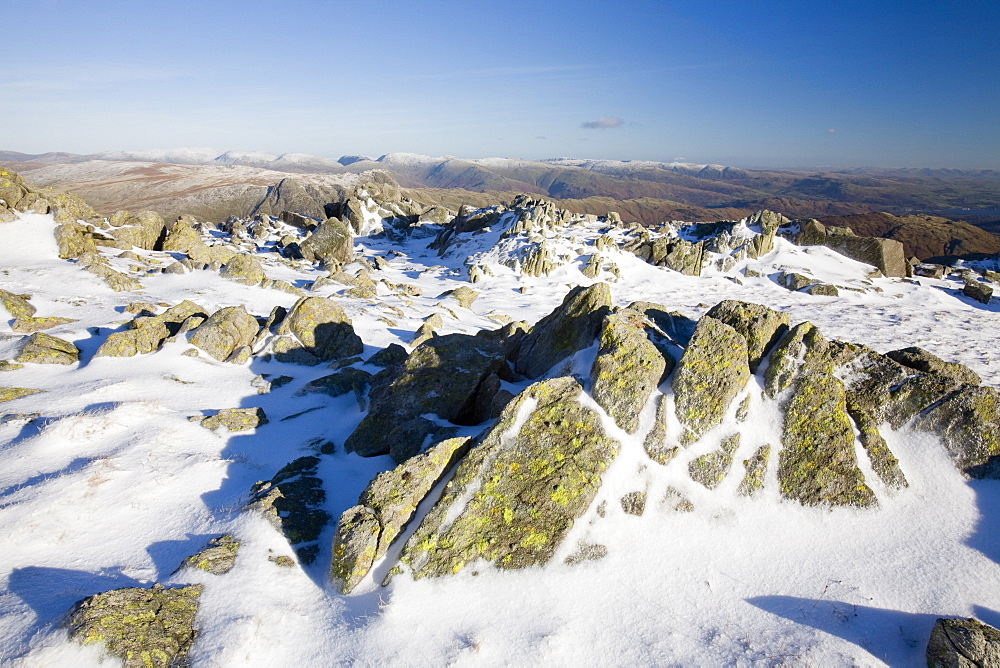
pixel 111 485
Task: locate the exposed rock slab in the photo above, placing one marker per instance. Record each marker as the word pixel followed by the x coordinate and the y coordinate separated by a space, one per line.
pixel 963 643
pixel 225 331
pixel 292 501
pixel 42 348
pixel 321 329
pixel 217 558
pixel 761 326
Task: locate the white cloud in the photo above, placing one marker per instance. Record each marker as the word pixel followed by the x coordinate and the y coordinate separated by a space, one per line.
pixel 603 123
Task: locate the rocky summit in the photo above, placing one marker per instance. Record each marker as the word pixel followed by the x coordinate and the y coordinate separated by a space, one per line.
pixel 758 440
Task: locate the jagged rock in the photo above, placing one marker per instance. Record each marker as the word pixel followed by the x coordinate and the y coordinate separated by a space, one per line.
pixel 929 270
pixel 384 509
pixel 515 496
pixel 465 296
pixel 963 643
pixel 30 325
pixel 822 290
pixel 183 238
pixel 16 305
pixel 685 257
pixel 331 242
pixel 784 362
pixel 593 267
pixel 217 558
pixel 883 462
pixel 538 259
pixel 244 269
pixel 388 356
pixel 322 330
pixel 978 290
pixel 711 469
pixel 921 360
pixel 968 422
pixel 292 501
pixel 147 334
pixel 42 348
pixel 440 376
pixel 794 281
pixel 144 627
pixel 145 230
pixel 816 464
pixel 571 327
pixel 761 326
pixel 634 503
pixel 342 382
pixel 224 332
pixel 627 369
pixel 887 255
pixel 767 224
pixel 12 393
pixel 712 371
pixel 755 467
pixel 74 240
pixel 236 419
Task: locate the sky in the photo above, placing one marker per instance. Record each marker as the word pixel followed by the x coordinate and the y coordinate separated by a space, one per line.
pixel 754 84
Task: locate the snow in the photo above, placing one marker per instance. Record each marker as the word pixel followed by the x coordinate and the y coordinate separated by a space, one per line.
pixel 112 486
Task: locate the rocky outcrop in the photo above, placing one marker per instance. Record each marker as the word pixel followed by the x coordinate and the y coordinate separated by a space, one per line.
pixel 236 419
pixel 42 348
pixel 441 376
pixel 515 496
pixel 147 334
pixel 226 332
pixel 887 255
pixel 292 501
pixel 143 627
pixel 571 327
pixel 145 230
pixel 969 423
pixel 332 243
pixel 761 326
pixel 963 643
pixel 17 306
pixel 316 330
pixel 218 557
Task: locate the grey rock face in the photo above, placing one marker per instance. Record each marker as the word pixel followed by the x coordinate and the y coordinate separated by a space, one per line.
pixel 571 327
pixel 332 242
pixel 292 501
pixel 627 369
pixel 761 326
pixel 441 376
pixel 969 424
pixel 143 627
pixel 225 331
pixel 963 643
pixel 712 371
pixel 921 360
pixel 515 497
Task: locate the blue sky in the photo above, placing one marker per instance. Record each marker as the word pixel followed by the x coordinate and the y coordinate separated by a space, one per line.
pixel 783 84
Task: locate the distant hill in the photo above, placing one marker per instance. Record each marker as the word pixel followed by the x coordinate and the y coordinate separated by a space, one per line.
pixel 922 236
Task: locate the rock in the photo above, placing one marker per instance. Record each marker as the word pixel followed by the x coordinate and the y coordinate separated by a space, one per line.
pixel 244 269
pixel 655 446
pixel 516 495
pixel 785 357
pixel 822 290
pixel 144 627
pixel 627 369
pixel 571 327
pixel 217 558
pixel 709 470
pixel 887 255
pixel 385 508
pixel 712 371
pixel 322 330
pixel 297 220
pixel 236 419
pixel 12 393
pixel 30 325
pixel 634 503
pixel 342 382
pixel 224 332
pixel 961 643
pixel 388 356
pixel 74 240
pixel 968 422
pixel 331 242
pixel 42 348
pixel 7 365
pixel 978 290
pixel 755 467
pixel 16 305
pixel 685 257
pixel 794 281
pixel 441 376
pixel 921 360
pixel 147 334
pixel 761 326
pixel 587 552
pixel 183 238
pixel 292 501
pixel 465 296
pixel 145 230
pixel 929 270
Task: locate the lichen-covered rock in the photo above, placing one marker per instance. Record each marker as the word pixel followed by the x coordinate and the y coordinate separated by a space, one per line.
pixel 341 382
pixel 755 469
pixel 217 558
pixel 710 469
pixel 761 326
pixel 12 393
pixel 74 239
pixel 388 356
pixel 147 333
pixel 712 371
pixel 292 501
pixel 225 331
pixel 42 348
pixel 145 229
pixel 883 462
pixel 331 242
pixel 441 376
pixel 144 627
pixel 464 295
pixel 627 369
pixel 515 496
pixel 634 503
pixel 816 464
pixel 963 643
pixel 243 268
pixel 236 419
pixel 685 257
pixel 794 281
pixel 968 422
pixel 571 327
pixel 17 306
pixel 183 238
pixel 322 330
pixel 385 508
pixel 31 325
pixel 655 445
pixel 786 357
pixel 921 360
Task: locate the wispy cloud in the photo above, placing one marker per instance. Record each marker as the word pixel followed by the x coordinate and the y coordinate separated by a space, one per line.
pixel 831 131
pixel 603 123
pixel 85 75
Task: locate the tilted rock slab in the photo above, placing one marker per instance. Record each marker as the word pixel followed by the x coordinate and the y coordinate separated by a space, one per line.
pixel 961 643
pixel 761 326
pixel 42 348
pixel 515 496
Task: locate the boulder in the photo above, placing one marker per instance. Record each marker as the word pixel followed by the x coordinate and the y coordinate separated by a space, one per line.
pixel 143 627
pixel 922 360
pixel 12 393
pixel 321 329
pixel 225 331
pixel 710 469
pixel 712 371
pixel 761 326
pixel 42 348
pixel 627 369
pixel 147 334
pixel 292 501
pixel 465 296
pixel 388 356
pixel 385 508
pixel 17 306
pixel 217 558
pixel 236 419
pixel 571 327
pixel 794 281
pixel 145 230
pixel 243 268
pixel 978 290
pixel 968 422
pixel 516 495
pixel 331 242
pixel 441 376
pixel 74 239
pixel 183 238
pixel 30 325
pixel 754 470
pixel 963 643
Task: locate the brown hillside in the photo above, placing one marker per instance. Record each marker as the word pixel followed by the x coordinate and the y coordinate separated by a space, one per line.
pixel 922 236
